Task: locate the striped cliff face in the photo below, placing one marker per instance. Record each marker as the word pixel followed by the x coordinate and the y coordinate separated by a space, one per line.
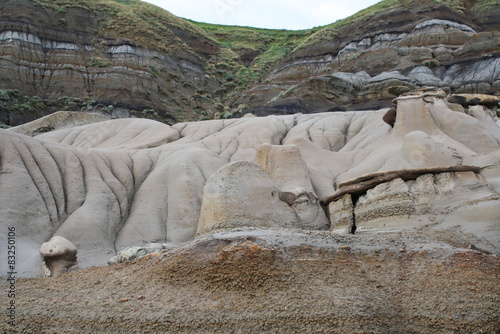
pixel 145 62
pixel 72 53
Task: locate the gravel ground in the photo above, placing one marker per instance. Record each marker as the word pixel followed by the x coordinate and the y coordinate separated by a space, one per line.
pixel 275 282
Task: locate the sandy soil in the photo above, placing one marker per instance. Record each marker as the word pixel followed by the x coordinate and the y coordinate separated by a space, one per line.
pixel 280 282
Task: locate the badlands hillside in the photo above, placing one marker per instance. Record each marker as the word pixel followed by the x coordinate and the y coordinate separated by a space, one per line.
pixel 193 178
pixel 128 58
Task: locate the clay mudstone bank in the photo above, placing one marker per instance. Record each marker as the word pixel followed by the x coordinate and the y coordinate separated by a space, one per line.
pixel 112 184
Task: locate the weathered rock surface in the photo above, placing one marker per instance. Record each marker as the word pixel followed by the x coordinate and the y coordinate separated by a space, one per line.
pixel 59 255
pixel 428 200
pixel 355 67
pixel 241 194
pixel 76 52
pixel 128 182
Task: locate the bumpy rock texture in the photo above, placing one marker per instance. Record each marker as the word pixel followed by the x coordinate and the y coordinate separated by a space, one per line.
pixel 115 184
pixel 59 255
pixel 381 221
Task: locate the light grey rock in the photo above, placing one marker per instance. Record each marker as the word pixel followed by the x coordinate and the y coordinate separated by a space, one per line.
pixel 385 76
pixel 355 79
pixel 59 256
pixel 459 76
pixel 444 23
pixel 424 76
pixel 122 183
pixel 386 38
pixel 138 252
pixel 128 254
pixel 241 194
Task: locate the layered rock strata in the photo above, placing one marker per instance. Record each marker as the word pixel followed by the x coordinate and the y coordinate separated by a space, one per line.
pixel 171 70
pixel 430 199
pixel 355 66
pixel 72 52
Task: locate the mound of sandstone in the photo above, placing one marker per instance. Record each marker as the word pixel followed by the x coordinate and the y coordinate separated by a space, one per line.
pixel 110 185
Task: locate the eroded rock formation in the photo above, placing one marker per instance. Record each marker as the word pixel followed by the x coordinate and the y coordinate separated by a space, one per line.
pixel 59 255
pixel 430 199
pixel 358 65
pixel 114 184
pixel 52 52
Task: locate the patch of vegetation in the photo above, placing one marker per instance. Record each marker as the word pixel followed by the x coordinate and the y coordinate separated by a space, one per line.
pixel 245 40
pixel 11 100
pixel 477 5
pixel 248 53
pixel 369 12
pixel 99 62
pixel 155 72
pixel 483 5
pixel 431 63
pixel 63 23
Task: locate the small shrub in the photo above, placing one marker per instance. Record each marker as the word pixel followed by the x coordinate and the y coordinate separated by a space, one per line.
pixel 63 23
pixel 4 95
pixel 431 63
pixel 99 62
pixel 154 71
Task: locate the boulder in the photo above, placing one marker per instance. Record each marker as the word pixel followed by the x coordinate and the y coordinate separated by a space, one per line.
pixel 289 173
pixel 59 255
pixel 241 194
pixel 390 117
pixel 474 99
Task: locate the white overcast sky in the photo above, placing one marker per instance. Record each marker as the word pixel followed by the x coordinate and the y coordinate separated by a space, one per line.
pixel 272 14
